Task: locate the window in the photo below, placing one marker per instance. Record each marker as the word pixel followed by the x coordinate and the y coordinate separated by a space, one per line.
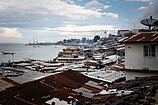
pixel 149 50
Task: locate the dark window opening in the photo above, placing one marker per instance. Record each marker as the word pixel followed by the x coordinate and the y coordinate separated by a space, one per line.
pixel 149 50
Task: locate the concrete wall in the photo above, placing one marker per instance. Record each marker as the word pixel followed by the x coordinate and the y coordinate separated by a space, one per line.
pixel 134 57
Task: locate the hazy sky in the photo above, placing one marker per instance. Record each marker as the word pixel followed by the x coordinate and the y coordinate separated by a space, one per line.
pixel 54 20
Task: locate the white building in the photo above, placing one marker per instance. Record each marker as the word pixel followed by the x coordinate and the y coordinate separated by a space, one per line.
pixel 141 51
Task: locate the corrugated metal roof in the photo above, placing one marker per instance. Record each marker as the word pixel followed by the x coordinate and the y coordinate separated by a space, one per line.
pixel 141 37
pixel 94 84
pixel 6 83
pixel 85 92
pixel 38 92
pixel 61 85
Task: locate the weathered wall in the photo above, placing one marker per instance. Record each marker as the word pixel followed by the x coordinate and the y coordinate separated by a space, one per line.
pixel 134 57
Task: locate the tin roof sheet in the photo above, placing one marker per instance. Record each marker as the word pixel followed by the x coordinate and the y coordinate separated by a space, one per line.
pixel 61 85
pixel 141 37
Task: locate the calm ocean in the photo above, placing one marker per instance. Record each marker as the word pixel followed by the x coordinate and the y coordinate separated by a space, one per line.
pixel 22 52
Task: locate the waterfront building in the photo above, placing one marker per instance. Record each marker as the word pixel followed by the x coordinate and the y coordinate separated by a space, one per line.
pixel 141 51
pixel 70 51
pixel 69 55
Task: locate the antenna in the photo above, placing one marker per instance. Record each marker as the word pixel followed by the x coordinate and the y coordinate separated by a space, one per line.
pixel 33 39
pixel 36 40
pixel 148 22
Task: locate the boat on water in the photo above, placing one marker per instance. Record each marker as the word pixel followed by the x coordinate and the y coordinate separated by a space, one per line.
pixel 8 53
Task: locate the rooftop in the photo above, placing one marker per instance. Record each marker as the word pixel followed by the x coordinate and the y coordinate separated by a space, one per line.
pixel 141 37
pixel 72 48
pixel 6 83
pixel 71 86
pixel 61 85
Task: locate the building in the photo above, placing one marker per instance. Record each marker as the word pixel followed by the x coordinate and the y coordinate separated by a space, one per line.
pixel 69 55
pixel 135 31
pixel 122 32
pixel 70 51
pixel 141 51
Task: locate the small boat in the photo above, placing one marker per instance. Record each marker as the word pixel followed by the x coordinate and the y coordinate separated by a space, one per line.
pixel 7 53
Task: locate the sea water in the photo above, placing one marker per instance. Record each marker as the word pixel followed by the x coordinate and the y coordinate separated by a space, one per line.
pixel 23 52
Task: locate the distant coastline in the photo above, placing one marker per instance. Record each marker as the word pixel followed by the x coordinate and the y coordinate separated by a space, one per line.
pixel 41 44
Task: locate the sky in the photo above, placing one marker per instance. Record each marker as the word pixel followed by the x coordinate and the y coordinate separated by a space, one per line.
pixel 55 20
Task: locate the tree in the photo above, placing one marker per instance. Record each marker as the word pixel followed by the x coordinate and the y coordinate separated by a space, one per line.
pixel 83 40
pixel 96 38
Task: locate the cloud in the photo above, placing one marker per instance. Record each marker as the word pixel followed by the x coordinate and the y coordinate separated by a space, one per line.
pixel 10 33
pixel 79 28
pixel 53 7
pixel 45 13
pixel 151 3
pixel 69 1
pixel 77 34
pixel 42 8
pixel 109 14
pixel 139 0
pixel 143 8
pixel 78 31
pixel 20 15
pixel 96 5
pixel 126 20
pixel 152 10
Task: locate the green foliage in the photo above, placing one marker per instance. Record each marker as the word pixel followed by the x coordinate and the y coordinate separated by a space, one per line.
pixel 96 38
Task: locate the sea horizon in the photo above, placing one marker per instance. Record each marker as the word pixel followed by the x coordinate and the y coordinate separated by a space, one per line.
pixel 22 52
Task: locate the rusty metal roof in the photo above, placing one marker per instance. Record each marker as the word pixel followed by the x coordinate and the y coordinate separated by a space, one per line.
pixel 61 85
pixel 6 83
pixel 69 86
pixel 141 37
